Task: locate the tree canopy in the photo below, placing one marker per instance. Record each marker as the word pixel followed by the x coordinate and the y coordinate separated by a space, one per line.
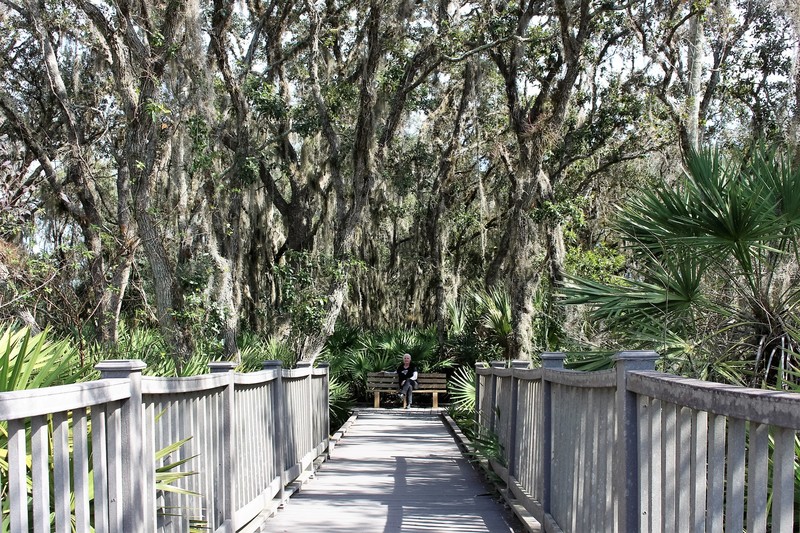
pixel 217 167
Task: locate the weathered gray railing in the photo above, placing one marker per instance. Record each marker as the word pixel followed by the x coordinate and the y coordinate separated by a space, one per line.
pixel 632 449
pixel 246 437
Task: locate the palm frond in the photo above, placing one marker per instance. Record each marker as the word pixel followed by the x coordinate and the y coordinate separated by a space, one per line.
pixel 32 361
pixel 461 388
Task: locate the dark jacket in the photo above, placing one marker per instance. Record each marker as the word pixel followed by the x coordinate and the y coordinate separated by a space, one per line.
pixel 406 373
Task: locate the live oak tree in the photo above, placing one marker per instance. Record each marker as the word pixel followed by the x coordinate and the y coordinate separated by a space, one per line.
pixel 279 166
pixel 51 90
pixel 543 51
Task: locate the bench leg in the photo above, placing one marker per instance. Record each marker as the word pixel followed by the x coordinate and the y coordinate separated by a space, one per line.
pixel 377 399
pixel 435 400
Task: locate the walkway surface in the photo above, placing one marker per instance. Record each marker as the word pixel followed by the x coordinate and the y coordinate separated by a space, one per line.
pixel 394 471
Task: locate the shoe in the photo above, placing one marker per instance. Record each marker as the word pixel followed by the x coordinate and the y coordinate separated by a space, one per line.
pixel 406 407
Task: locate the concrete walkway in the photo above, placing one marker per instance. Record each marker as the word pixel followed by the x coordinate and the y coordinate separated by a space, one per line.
pixel 394 471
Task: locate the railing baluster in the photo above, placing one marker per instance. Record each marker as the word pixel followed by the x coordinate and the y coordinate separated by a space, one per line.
pixel 115 466
pixel 100 468
pixel 684 468
pixel 757 475
pixel 716 473
pixel 80 461
pixel 657 467
pixel 40 473
pixel 699 470
pixel 17 473
pixel 61 473
pixel 645 464
pixel 149 450
pixel 668 463
pixel 734 483
pixel 783 481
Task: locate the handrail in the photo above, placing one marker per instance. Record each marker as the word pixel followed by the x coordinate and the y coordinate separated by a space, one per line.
pixel 36 402
pixel 774 408
pixel 163 385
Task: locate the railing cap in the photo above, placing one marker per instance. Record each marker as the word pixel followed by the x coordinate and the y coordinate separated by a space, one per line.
pixel 303 364
pixel 553 359
pixel 272 363
pixel 636 359
pixel 498 364
pixel 520 364
pixel 219 367
pixel 120 368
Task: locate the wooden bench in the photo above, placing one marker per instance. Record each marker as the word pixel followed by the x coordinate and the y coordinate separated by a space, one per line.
pixel 378 382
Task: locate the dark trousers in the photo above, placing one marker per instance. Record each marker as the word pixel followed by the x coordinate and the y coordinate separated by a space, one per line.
pixel 407 388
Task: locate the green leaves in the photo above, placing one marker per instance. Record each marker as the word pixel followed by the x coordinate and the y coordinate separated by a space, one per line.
pixel 494 309
pixel 721 206
pixel 167 474
pixel 461 388
pixel 671 288
pixel 305 280
pixel 31 361
pixel 705 278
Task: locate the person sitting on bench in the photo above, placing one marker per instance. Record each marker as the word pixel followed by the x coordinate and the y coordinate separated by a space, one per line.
pixel 406 379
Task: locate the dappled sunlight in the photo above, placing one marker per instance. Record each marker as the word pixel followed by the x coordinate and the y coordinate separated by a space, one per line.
pixel 393 473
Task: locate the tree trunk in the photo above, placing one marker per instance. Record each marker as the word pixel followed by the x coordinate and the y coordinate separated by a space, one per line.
pixel 138 67
pixel 442 198
pixel 696 56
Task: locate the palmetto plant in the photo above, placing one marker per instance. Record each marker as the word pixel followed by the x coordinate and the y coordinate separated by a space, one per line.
pixel 461 388
pixel 493 307
pixel 713 261
pixel 359 363
pixel 168 474
pixel 33 361
pixel 255 350
pixel 149 346
pixel 30 361
pixel 355 354
pixel 340 401
pixel 422 345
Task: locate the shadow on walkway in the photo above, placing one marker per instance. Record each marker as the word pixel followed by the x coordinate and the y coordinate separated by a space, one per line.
pixel 394 472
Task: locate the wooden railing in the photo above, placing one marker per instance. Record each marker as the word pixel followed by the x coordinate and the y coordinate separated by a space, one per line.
pixel 89 452
pixel 632 449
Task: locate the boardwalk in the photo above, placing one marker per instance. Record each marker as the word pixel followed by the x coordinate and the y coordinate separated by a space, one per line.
pixel 395 471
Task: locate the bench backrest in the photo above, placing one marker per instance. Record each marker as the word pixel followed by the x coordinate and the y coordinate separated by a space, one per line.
pixel 388 380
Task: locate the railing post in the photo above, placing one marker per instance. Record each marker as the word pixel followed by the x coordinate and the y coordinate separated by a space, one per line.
pixel 279 446
pixel 228 469
pixel 492 424
pixel 550 361
pixel 478 406
pixel 512 430
pixel 126 461
pixel 326 408
pixel 309 443
pixel 626 482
